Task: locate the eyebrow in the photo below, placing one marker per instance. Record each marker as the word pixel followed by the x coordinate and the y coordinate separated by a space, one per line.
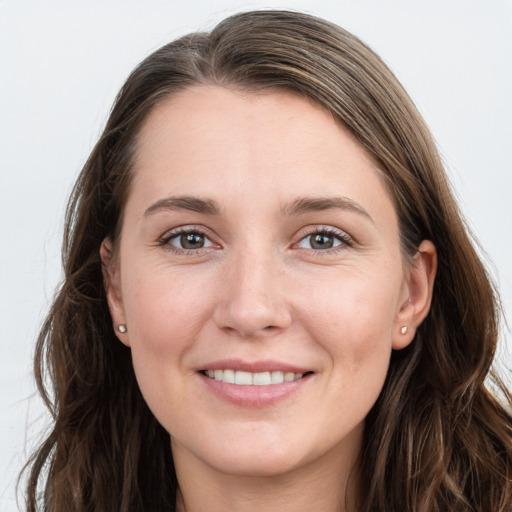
pixel 304 205
pixel 193 204
pixel 299 206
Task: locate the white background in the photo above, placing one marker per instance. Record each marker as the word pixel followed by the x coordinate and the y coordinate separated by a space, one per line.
pixel 62 62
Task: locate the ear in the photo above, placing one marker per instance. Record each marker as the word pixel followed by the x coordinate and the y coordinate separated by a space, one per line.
pixel 417 295
pixel 112 284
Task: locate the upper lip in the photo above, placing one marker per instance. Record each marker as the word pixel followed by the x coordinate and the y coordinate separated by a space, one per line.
pixel 254 366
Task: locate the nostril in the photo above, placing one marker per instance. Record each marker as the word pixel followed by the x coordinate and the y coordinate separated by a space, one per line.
pixel 251 315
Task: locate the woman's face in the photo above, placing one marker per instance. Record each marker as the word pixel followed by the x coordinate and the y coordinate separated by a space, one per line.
pixel 260 278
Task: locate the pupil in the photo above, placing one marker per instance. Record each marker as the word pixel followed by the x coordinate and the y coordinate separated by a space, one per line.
pixel 322 241
pixel 192 241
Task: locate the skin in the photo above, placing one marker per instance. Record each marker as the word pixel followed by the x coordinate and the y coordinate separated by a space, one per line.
pixel 259 290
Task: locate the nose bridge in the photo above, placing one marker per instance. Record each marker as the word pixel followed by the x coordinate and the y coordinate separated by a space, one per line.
pixel 252 301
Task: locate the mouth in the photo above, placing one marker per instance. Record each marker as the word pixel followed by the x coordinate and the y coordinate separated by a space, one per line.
pixel 243 378
pixel 255 384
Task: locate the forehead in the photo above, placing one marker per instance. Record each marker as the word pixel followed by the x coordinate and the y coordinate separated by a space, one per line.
pixel 232 143
pixel 215 115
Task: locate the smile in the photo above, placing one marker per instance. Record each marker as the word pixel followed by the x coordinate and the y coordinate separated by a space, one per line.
pixel 243 378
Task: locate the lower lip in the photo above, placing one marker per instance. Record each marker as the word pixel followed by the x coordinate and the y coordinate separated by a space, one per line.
pixel 254 396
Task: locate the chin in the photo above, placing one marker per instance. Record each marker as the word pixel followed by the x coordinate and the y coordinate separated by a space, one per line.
pixel 261 466
pixel 245 455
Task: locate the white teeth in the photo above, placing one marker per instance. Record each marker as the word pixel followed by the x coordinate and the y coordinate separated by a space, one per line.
pixel 277 377
pixel 261 379
pixel 228 376
pixel 254 379
pixel 243 378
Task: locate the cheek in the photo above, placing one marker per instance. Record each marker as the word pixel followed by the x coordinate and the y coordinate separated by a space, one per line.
pixel 353 320
pixel 163 309
pixel 165 315
pixel 352 305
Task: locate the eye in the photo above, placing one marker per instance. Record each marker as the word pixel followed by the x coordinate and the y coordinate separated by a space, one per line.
pixel 187 240
pixel 325 239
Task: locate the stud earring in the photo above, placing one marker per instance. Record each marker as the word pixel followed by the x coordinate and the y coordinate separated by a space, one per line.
pixel 403 329
pixel 122 328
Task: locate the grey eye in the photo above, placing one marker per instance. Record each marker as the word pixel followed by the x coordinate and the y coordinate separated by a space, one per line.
pixel 190 241
pixel 320 241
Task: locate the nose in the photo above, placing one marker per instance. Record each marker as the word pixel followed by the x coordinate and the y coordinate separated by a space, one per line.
pixel 252 302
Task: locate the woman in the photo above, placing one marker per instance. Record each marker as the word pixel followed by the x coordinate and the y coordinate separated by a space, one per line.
pixel 270 299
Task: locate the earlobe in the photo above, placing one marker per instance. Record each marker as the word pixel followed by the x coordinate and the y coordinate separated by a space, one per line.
pixel 111 282
pixel 419 288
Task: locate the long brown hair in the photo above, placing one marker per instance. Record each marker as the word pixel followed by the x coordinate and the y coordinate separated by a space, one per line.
pixel 436 440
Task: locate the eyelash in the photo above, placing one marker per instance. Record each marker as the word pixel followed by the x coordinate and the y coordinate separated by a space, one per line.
pixel 344 238
pixel 164 241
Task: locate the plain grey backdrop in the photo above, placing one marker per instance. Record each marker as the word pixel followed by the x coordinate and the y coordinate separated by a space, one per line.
pixel 62 62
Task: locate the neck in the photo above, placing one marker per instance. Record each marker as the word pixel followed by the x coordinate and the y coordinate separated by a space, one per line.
pixel 329 484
